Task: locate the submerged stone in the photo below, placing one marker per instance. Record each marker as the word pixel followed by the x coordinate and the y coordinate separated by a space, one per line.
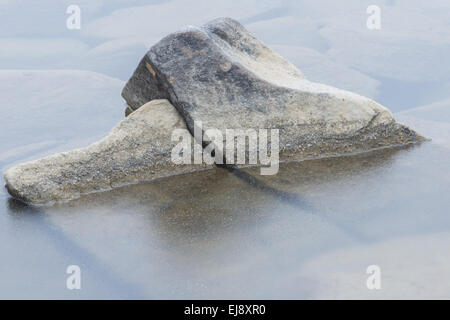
pixel 137 149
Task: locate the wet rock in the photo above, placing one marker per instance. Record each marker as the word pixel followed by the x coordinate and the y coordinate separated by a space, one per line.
pixel 137 149
pixel 224 77
pixel 221 77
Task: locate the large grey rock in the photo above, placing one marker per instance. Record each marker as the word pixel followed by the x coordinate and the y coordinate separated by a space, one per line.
pixel 223 76
pixel 137 149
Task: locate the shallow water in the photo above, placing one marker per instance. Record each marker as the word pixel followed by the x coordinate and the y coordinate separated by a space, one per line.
pixel 310 231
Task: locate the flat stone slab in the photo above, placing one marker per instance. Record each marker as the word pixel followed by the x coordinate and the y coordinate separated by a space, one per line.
pixel 137 149
pixel 224 77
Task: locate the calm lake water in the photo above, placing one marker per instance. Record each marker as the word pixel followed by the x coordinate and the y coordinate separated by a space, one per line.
pixel 308 232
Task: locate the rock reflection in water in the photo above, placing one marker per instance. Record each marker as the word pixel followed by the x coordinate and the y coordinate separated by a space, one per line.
pixel 224 233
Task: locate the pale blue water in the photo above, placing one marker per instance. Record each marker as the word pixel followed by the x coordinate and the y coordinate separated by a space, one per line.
pixel 308 232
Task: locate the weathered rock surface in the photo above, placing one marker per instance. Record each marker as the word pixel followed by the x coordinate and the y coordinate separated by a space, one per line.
pixel 137 149
pixel 223 76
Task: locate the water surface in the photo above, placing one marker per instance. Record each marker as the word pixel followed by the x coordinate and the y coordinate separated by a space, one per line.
pixel 308 232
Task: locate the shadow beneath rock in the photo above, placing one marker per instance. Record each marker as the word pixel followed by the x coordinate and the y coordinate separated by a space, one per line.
pixel 210 204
